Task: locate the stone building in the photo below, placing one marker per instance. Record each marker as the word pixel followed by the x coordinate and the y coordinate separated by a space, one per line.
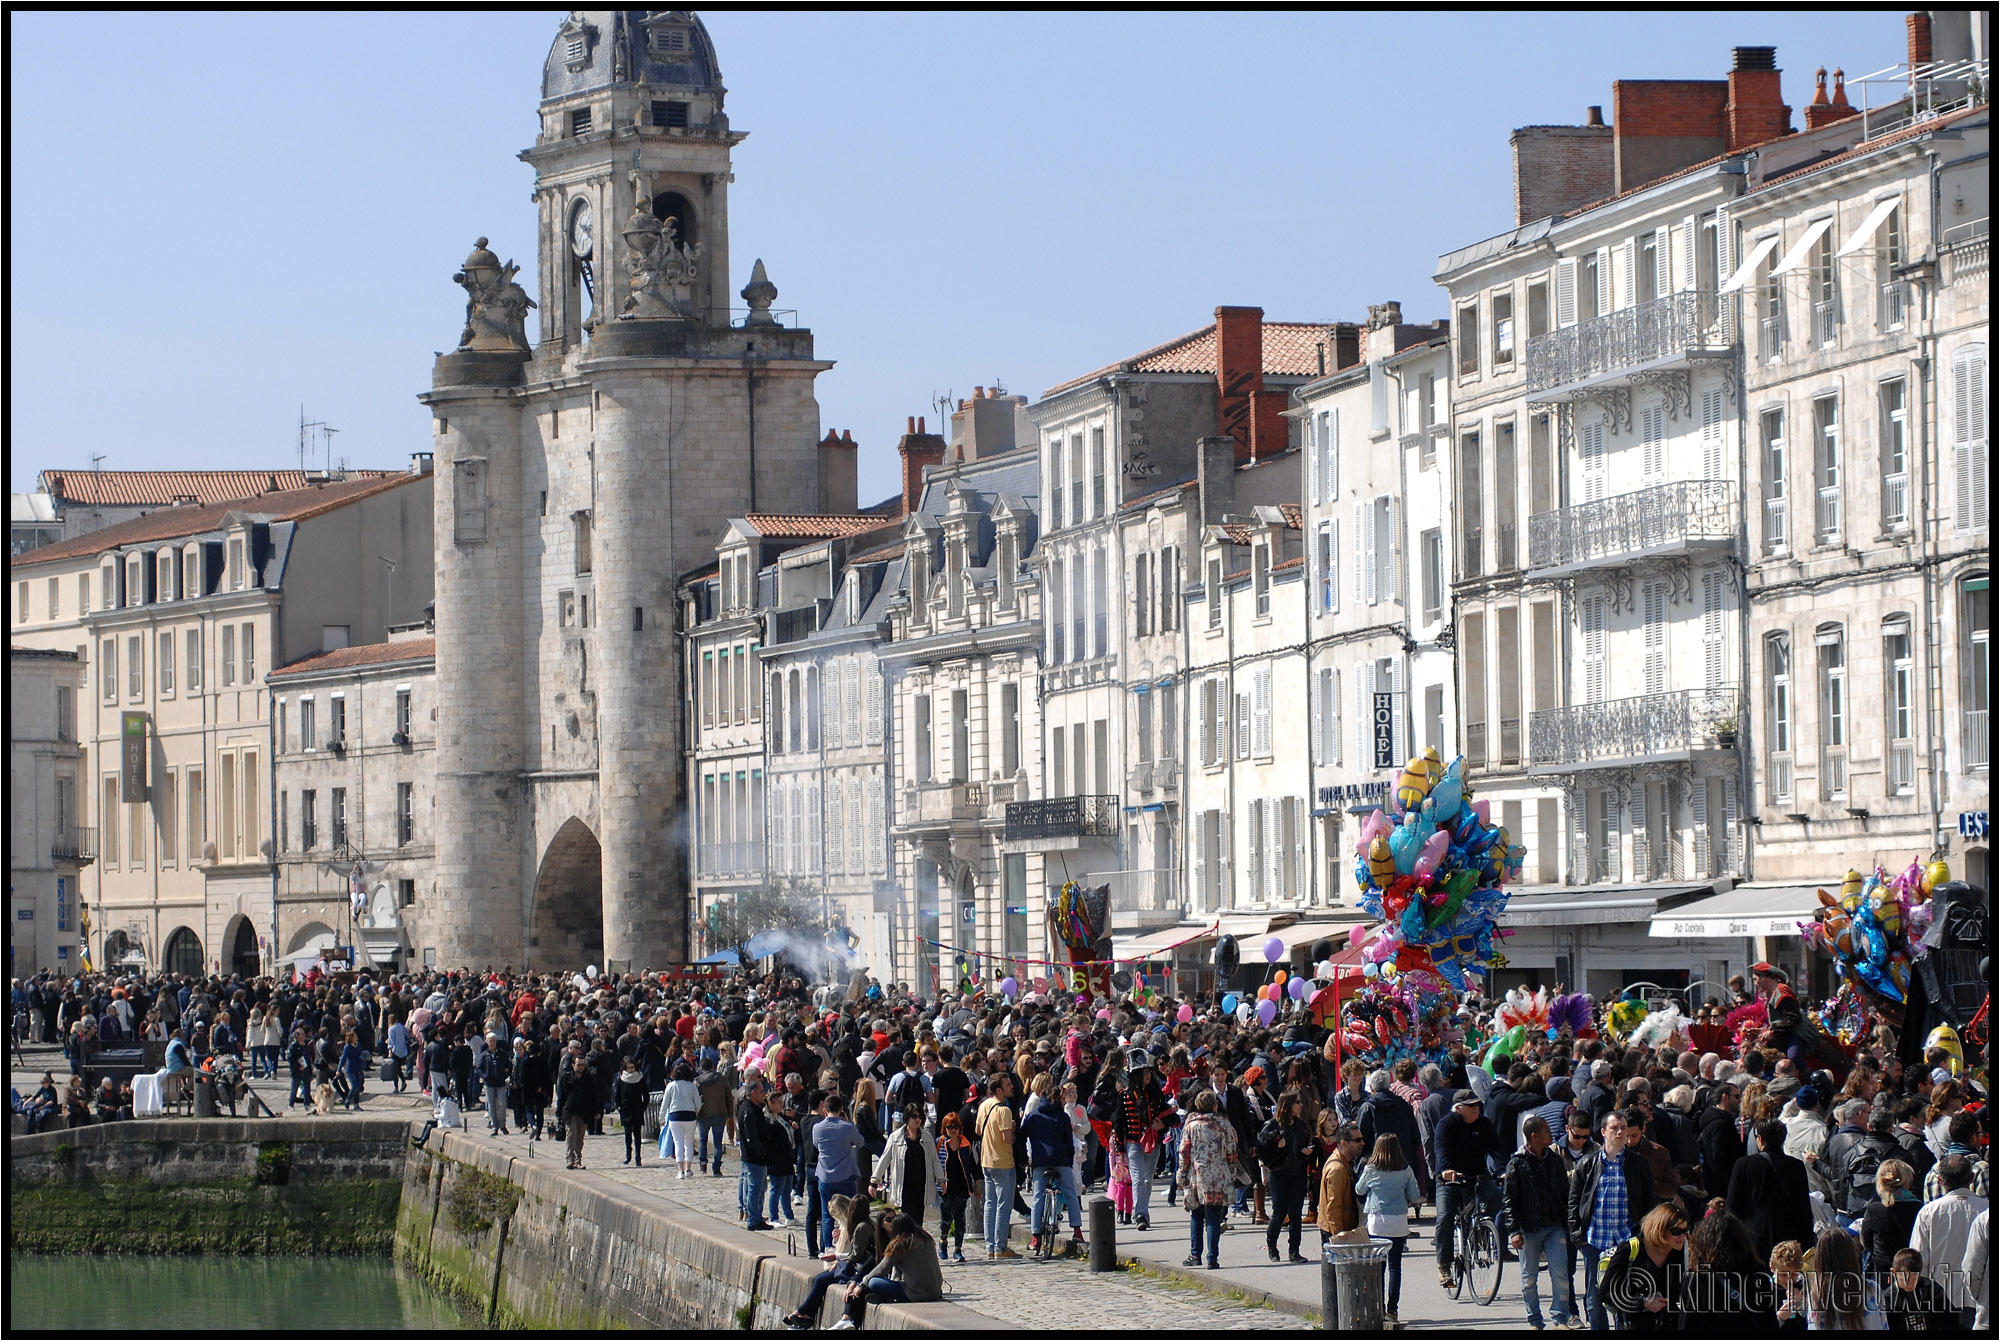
pixel 175 618
pixel 581 477
pixel 1377 507
pixel 353 744
pixel 960 666
pixel 1119 524
pixel 1867 325
pixel 77 502
pixel 47 845
pixel 1598 449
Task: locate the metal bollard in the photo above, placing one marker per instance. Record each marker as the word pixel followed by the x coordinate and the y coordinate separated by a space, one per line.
pixel 1103 1233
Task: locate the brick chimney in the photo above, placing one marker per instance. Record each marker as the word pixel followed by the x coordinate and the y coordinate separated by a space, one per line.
pixel 837 457
pixel 1757 110
pixel 1919 23
pixel 1244 409
pixel 1660 126
pixel 919 450
pixel 1557 168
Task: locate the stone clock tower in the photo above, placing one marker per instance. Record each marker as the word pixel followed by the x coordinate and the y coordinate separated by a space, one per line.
pixel 580 477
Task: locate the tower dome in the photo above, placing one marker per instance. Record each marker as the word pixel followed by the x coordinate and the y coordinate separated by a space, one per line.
pixel 664 49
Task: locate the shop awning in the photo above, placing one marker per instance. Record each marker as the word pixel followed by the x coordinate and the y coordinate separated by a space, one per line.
pixel 1883 209
pixel 1750 264
pixel 1155 944
pixel 1799 249
pixel 1744 911
pixel 1581 905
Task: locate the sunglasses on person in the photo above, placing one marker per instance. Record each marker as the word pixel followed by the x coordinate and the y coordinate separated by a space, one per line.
pixel 1677 1231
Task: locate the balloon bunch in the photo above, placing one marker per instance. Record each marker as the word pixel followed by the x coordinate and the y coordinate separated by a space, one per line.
pixel 1845 1015
pixel 1436 872
pixel 1874 926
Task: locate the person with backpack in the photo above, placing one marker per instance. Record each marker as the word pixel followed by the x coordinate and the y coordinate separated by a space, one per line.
pixel 1285 1145
pixel 496 1072
pixel 1853 1154
pixel 712 1116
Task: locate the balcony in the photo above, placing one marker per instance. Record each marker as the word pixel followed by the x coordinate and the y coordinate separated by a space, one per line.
pixel 1635 339
pixel 1896 501
pixel 1653 727
pixel 1665 519
pixel 1902 768
pixel 1826 516
pixel 936 804
pixel 74 846
pixel 1144 898
pixel 1510 741
pixel 1977 747
pixel 1778 769
pixel 1771 338
pixel 1894 309
pixel 1833 773
pixel 1060 822
pixel 1826 322
pixel 1475 744
pixel 1774 525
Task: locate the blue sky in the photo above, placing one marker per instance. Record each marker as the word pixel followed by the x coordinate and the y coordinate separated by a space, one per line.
pixel 216 217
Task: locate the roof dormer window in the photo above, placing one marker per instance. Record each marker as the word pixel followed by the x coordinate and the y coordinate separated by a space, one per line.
pixel 670 39
pixel 669 113
pixel 579 123
pixel 573 50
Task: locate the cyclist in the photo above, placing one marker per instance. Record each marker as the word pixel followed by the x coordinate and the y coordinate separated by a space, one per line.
pixel 1463 1141
pixel 1052 1165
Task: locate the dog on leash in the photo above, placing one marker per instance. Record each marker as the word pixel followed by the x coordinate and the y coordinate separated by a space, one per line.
pixel 323 1099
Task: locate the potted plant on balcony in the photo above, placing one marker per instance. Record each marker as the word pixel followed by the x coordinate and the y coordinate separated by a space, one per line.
pixel 1725 733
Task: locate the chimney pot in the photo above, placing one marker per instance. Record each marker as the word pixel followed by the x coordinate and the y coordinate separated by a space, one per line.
pixel 1593 116
pixel 920 423
pixel 910 424
pixel 1839 87
pixel 847 435
pixel 1919 24
pixel 1756 58
pixel 1819 87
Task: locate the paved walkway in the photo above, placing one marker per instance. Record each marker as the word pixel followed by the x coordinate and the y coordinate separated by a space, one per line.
pixel 1060 1294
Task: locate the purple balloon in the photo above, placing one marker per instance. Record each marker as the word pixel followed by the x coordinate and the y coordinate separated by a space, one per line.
pixel 1297 988
pixel 1274 950
pixel 1267 1011
pixel 1008 986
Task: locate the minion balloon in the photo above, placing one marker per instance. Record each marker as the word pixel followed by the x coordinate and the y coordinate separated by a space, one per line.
pixel 1418 777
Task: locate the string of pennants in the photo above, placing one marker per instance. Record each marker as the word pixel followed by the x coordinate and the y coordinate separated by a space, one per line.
pixel 1076 964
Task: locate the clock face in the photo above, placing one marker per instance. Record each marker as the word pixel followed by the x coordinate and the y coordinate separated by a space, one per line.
pixel 579 230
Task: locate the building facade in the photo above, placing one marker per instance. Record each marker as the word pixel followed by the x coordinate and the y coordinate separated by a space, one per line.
pixel 176 618
pixel 354 742
pixel 47 845
pixel 1868 307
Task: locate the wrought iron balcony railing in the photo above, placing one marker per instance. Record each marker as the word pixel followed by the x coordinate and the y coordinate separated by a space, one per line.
pixel 1633 728
pixel 1826 322
pixel 1063 817
pixel 1693 321
pixel 1977 748
pixel 1625 525
pixel 1475 744
pixel 1778 769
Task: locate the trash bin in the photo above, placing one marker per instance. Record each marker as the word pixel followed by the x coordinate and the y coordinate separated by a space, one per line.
pixel 1351 1294
pixel 204 1097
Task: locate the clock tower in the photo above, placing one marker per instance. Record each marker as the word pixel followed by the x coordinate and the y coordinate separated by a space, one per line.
pixel 581 476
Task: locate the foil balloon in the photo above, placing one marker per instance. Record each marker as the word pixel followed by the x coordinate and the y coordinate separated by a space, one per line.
pixel 1850 891
pixel 1431 854
pixel 1935 874
pixel 1417 779
pixel 1381 865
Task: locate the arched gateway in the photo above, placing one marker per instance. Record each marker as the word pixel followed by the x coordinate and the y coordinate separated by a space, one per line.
pixel 568 918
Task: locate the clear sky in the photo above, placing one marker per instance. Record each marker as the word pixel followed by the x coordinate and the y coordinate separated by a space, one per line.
pixel 217 217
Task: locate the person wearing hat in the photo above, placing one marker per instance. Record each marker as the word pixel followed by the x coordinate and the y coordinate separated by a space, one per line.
pixel 1784 1016
pixel 1463 1141
pixel 1140 1122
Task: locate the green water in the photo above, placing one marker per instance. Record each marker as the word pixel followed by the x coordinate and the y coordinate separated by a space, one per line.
pixel 211 1294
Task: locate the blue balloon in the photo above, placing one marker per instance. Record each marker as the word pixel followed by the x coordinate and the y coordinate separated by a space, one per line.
pixel 1229 1004
pixel 1450 791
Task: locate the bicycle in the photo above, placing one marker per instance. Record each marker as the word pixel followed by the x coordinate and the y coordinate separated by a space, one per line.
pixel 1049 1203
pixel 1476 1261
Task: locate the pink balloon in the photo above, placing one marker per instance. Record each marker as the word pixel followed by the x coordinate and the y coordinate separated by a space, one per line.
pixel 1483 809
pixel 1431 853
pixel 1356 935
pixel 1375 826
pixel 1184 1014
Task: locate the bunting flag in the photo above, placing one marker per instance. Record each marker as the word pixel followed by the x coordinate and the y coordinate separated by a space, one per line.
pixel 1069 964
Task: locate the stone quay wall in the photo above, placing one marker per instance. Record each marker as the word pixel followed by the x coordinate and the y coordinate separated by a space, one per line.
pixel 530 1244
pixel 285 1186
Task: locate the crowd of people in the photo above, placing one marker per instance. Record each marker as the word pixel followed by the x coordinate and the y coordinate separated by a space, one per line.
pixel 1728 1185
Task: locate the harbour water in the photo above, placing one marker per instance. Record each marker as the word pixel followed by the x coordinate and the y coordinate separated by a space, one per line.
pixel 222 1294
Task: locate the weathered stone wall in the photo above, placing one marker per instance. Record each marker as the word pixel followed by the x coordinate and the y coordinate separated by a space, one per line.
pixel 289 1186
pixel 532 1245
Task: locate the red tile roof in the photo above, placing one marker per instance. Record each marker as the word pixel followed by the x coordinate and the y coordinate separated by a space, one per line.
pixel 1909 132
pixel 1294 514
pixel 807 526
pixel 1299 562
pixel 173 523
pixel 1142 500
pixel 1290 350
pixel 367 654
pixel 159 488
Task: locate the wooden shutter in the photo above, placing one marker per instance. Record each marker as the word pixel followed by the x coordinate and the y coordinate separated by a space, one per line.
pixel 1369 543
pixel 1260 684
pixel 1712 630
pixel 1566 293
pixel 1712 462
pixel 1969 448
pixel 1362 757
pixel 1319 718
pixel 1642 866
pixel 1207 715
pixel 1396 574
pixel 1662 270
pixel 871 697
pixel 1603 280
pixel 851 699
pixel 1690 269
pixel 777 810
pixel 1399 735
pixel 1333 707
pixel 1653 440
pixel 1628 274
pixel 1360 554
pixel 1591 617
pixel 1201 853
pixel 1243 738
pixel 1333 458
pixel 1698 796
pixel 1656 637
pixel 1728 844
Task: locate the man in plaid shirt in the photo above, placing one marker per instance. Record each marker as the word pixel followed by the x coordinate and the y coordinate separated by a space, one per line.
pixel 1962 1131
pixel 1610 1189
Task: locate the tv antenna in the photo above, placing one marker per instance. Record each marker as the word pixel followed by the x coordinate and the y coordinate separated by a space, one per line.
pixel 309 429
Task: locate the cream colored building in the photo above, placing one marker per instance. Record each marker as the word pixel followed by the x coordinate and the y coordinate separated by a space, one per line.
pixel 354 741
pixel 47 845
pixel 176 617
pixel 1868 323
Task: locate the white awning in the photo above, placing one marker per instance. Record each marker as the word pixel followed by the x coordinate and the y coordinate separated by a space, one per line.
pixel 1154 944
pixel 1883 209
pixel 1799 249
pixel 1750 264
pixel 1743 912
